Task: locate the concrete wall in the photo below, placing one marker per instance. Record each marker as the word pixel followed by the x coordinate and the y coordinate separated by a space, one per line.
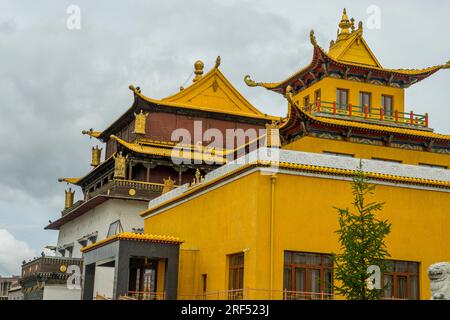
pixel 99 219
pixel 61 292
pixel 104 281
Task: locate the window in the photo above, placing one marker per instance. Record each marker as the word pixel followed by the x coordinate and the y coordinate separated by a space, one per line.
pixel 236 276
pixel 114 228
pixel 386 103
pixel 342 99
pixel 365 100
pixel 401 280
pixel 306 101
pixel 307 276
pixel 437 166
pixel 317 95
pixel 339 154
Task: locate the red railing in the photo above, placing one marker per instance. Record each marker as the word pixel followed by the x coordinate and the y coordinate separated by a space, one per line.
pixel 368 113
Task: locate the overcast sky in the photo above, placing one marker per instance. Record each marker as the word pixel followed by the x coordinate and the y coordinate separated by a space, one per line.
pixel 54 81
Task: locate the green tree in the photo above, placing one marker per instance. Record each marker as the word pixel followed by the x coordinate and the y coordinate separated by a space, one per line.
pixel 362 243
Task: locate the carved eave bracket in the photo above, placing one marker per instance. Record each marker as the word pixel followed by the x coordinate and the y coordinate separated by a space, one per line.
pixel 388 140
pixel 429 145
pixel 347 134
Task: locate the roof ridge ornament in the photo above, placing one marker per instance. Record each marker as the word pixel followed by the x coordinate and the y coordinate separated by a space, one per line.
pixel 345 24
pixel 198 70
pixel 249 82
pixel 312 38
pixel 134 89
pixel 217 62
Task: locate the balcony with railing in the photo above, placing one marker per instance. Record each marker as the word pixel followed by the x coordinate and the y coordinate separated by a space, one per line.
pixel 126 188
pixel 242 294
pixel 117 188
pixel 365 113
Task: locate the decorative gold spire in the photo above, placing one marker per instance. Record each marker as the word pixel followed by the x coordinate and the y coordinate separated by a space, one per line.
pixel 345 25
pixel 69 198
pixel 139 122
pixel 96 154
pixel 198 70
pixel 169 184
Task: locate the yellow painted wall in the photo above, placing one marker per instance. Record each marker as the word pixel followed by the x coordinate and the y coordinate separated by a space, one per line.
pixel 237 217
pixel 329 85
pixel 216 230
pixel 365 151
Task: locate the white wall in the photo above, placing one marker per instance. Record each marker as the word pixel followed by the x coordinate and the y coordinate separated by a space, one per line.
pixel 99 219
pixel 103 283
pixel 15 295
pixel 61 292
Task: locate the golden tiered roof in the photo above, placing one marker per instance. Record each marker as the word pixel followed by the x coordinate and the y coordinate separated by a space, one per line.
pixel 350 50
pixel 182 152
pixel 211 92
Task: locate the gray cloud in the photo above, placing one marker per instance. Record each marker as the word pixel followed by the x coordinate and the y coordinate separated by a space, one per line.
pixel 54 82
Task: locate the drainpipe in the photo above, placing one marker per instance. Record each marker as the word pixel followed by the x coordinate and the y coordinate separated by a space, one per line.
pixel 273 179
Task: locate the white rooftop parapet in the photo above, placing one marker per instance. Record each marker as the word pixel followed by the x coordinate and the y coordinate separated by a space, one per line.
pixel 316 159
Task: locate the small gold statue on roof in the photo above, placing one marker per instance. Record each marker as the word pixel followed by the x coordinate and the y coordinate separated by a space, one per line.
pixel 169 184
pixel 120 166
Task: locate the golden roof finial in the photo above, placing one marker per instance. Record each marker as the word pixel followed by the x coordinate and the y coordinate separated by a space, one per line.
pixel 198 70
pixel 345 25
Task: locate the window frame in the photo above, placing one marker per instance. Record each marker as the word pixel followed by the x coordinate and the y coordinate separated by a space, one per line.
pixel 291 290
pixel 317 95
pixel 236 275
pixel 383 104
pixel 339 104
pixel 396 274
pixel 361 100
pixel 306 101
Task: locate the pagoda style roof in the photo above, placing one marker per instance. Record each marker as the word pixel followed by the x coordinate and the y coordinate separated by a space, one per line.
pixel 185 152
pixel 79 181
pixel 211 93
pixel 298 114
pixel 349 57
